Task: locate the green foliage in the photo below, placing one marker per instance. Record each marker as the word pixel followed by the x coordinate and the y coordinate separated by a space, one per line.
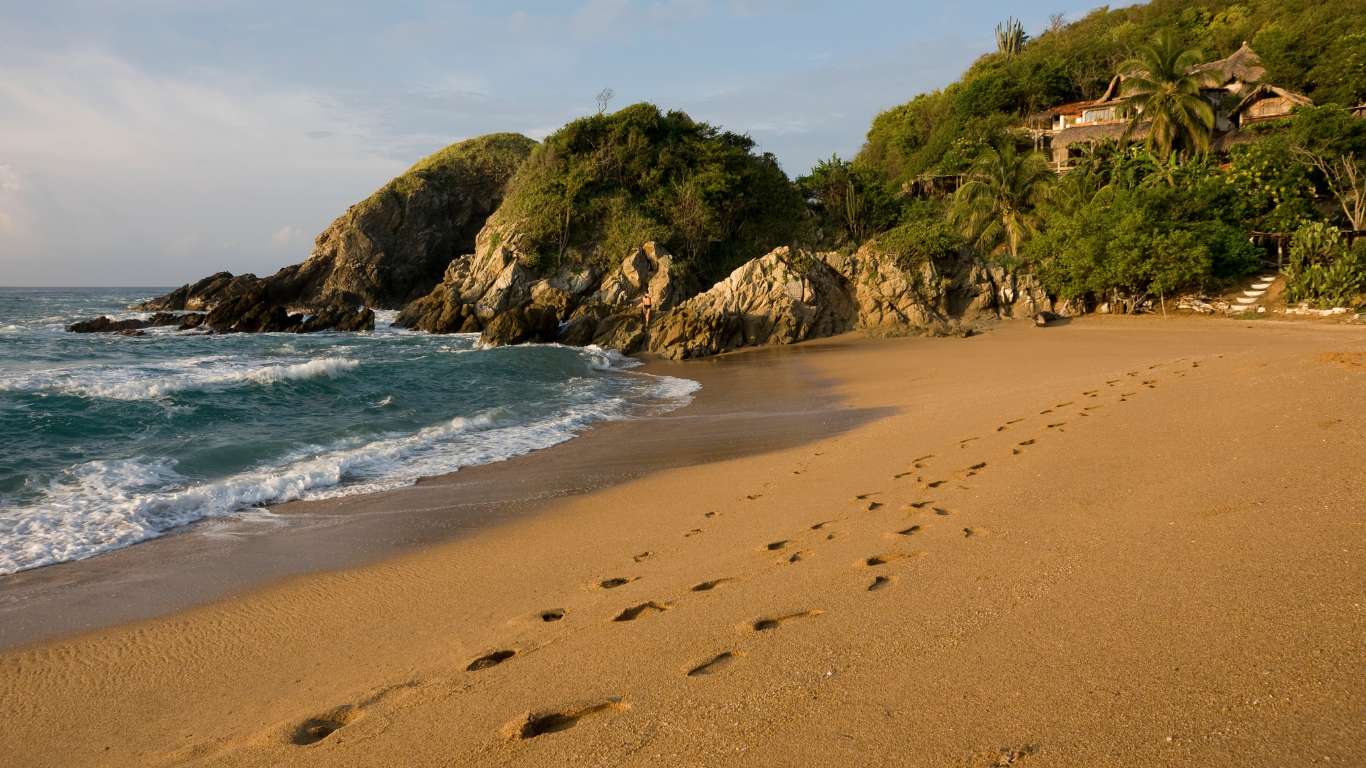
pixel 919 240
pixel 1001 197
pixel 851 200
pixel 1322 270
pixel 1314 47
pixel 1141 241
pixel 1274 191
pixel 604 184
pixel 486 160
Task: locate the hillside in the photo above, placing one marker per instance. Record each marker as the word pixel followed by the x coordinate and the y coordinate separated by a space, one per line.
pixel 1313 47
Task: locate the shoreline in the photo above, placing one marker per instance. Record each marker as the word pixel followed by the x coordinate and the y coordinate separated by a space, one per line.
pixel 1115 542
pixel 219 558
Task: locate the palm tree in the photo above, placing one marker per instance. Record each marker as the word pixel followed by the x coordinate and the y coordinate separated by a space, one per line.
pixel 1001 195
pixel 1160 87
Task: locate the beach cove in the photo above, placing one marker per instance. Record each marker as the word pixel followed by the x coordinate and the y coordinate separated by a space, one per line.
pixel 1117 541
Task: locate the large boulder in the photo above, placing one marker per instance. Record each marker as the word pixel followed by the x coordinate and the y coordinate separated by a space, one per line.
pixel 782 298
pixel 648 268
pixel 533 325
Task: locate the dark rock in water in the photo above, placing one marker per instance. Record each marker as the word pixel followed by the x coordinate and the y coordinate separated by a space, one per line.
pixel 107 325
pixel 343 319
pixel 252 312
pixel 203 295
pixel 533 325
pixel 384 252
pixel 130 333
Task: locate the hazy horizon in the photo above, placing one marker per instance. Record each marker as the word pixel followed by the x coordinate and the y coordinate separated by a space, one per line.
pixel 144 144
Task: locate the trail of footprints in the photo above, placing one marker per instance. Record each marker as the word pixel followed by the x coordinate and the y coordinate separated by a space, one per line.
pixel 318 729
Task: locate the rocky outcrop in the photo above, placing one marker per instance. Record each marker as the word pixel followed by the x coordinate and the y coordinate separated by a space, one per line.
pixel 493 282
pixel 382 253
pixel 782 298
pixel 950 292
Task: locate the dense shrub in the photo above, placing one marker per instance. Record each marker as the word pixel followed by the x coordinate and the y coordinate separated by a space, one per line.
pixel 1139 242
pixel 1322 270
pixel 604 184
pixel 851 201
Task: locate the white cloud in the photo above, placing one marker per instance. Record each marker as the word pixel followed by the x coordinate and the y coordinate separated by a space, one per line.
pixel 284 235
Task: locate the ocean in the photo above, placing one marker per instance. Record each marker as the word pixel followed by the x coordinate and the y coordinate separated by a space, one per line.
pixel 106 441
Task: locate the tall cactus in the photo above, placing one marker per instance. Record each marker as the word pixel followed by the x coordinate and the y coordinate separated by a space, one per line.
pixel 1010 37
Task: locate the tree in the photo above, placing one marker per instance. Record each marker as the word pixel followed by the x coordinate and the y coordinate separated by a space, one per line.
pixel 1160 88
pixel 605 98
pixel 1330 141
pixel 1010 37
pixel 1001 195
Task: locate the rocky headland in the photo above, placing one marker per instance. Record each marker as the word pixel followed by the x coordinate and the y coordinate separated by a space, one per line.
pixel 381 254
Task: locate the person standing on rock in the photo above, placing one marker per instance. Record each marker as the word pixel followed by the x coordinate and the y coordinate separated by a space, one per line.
pixel 645 303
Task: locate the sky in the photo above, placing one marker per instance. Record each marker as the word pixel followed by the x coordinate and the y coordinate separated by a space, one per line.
pixel 152 143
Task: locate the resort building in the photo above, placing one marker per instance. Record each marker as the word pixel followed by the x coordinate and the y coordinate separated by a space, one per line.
pixel 1062 132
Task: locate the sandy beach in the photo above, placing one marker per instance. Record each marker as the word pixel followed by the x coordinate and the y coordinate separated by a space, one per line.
pixel 1114 542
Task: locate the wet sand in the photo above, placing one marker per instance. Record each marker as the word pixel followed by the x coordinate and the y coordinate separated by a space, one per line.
pixel 1121 541
pixel 739 411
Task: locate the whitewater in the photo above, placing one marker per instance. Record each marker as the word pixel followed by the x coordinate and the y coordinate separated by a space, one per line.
pixel 107 441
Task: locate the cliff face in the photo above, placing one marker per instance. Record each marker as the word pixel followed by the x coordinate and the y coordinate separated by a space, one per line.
pixel 388 249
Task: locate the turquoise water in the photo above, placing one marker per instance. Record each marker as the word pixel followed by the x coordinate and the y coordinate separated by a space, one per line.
pixel 110 440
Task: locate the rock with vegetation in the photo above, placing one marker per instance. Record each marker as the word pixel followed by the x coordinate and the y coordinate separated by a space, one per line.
pixel 384 252
pixel 782 298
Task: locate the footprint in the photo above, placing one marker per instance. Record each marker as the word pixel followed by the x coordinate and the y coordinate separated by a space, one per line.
pixel 752 497
pixel 945 512
pixel 717 664
pixel 802 555
pixel 819 526
pixel 554 614
pixel 614 583
pixel 315 729
pixel 763 625
pixel 1092 392
pixel 1112 383
pixel 1002 429
pixel 533 724
pixel 1017 421
pixel 909 531
pixel 872 505
pixel 903 474
pixel 889 558
pixel 631 614
pixel 1050 410
pixel 712 514
pixel 1063 405
pixel 935 484
pixel 925 458
pixel 1029 442
pixel 693 532
pixel 974 469
pixel 970 532
pixel 1092 407
pixel 1127 394
pixel 490 660
pixel 777 545
pixel 707 586
pixel 915 505
pixel 1055 426
pixel 640 558
pixel 864 496
pixel 964 443
pixel 881 582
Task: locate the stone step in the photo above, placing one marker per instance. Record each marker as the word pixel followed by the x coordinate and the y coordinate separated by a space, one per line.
pixel 1245 300
pixel 1253 293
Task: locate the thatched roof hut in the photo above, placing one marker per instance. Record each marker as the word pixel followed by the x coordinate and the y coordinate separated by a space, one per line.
pixel 1243 66
pixel 1267 102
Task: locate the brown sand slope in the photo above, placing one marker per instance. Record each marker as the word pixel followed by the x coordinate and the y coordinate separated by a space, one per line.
pixel 1116 542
